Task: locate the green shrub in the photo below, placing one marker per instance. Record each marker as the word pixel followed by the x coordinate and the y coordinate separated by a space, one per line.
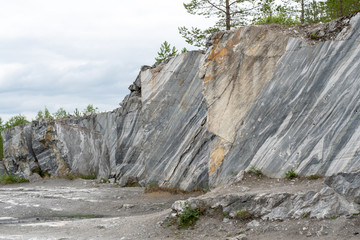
pixel 243 214
pixel 291 174
pixel 9 179
pixel 1 147
pixel 91 176
pixel 314 177
pixel 281 19
pixel 254 170
pixel 15 121
pixel 188 216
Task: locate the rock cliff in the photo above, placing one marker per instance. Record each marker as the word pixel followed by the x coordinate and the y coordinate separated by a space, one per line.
pixel 260 96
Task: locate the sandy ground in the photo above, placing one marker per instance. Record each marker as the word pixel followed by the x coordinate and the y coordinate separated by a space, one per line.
pixel 83 209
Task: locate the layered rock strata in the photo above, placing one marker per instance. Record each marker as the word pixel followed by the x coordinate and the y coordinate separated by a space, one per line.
pixel 257 97
pixel 339 195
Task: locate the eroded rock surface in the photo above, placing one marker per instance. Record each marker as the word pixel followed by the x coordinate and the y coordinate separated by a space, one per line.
pixel 258 96
pixel 280 201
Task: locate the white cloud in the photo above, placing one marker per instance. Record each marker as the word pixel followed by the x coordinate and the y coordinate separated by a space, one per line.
pixel 63 53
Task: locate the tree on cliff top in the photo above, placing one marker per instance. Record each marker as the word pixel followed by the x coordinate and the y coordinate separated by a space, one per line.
pixel 230 13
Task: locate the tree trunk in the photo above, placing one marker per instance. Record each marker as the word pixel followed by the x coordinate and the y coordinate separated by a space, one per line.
pixel 227 15
pixel 341 9
pixel 302 19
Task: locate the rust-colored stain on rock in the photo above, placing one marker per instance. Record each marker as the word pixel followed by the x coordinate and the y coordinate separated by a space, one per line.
pixel 216 159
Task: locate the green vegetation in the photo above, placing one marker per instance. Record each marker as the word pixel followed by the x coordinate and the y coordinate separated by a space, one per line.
pixel 189 216
pixel 233 13
pixel 291 174
pixel 43 174
pixel 166 51
pixel 314 177
pixel 72 176
pixel 82 216
pixel 243 214
pixel 9 179
pixel 306 214
pixel 90 176
pixel 14 121
pixel 254 170
pixel 62 113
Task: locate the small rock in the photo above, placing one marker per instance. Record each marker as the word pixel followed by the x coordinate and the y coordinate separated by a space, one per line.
pixel 253 223
pixel 112 180
pixel 226 220
pixel 308 234
pixel 128 206
pixel 321 232
pixel 239 237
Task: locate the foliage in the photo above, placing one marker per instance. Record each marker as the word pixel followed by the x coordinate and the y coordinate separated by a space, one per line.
pixel 1 147
pixel 82 216
pixel 44 115
pixel 1 140
pixel 243 214
pixel 291 174
pixel 196 36
pixel 90 176
pixel 254 170
pixel 340 8
pixel 229 14
pixel 314 177
pixel 165 52
pixel 281 19
pixel 43 174
pixel 60 113
pixel 306 214
pixel 9 179
pixel 15 121
pixel 77 113
pixel 188 216
pixel 90 109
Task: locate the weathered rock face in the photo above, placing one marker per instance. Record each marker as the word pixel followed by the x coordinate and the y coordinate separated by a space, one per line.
pixel 302 115
pixel 256 97
pixel 339 196
pixel 55 147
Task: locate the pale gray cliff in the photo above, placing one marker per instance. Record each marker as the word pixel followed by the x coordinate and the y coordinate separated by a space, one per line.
pixel 259 96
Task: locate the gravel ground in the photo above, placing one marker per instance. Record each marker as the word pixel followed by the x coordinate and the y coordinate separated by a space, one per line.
pixel 83 209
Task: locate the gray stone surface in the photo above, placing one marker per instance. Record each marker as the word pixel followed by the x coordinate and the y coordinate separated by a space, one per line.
pixel 307 116
pixel 346 184
pixel 322 204
pixel 257 97
pixel 55 147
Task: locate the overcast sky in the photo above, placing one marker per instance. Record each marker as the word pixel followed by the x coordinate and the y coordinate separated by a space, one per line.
pixel 71 53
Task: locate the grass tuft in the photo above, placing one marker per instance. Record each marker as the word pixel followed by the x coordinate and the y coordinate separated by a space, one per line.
pixel 314 177
pixel 189 216
pixel 254 170
pixel 291 174
pixel 9 179
pixel 243 214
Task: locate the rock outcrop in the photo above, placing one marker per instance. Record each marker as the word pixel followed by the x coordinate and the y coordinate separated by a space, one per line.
pixel 259 96
pixel 339 195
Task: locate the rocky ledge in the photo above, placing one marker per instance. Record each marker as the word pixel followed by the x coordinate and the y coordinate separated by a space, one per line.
pixel 336 196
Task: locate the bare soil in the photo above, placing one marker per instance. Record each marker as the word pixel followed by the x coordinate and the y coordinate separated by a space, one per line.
pixel 83 209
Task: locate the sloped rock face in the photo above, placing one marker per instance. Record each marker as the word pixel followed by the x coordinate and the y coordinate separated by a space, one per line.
pixel 55 147
pixel 257 97
pixel 172 142
pixel 305 114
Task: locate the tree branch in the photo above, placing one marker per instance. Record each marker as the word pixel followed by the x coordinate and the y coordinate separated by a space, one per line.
pixel 218 8
pixel 233 2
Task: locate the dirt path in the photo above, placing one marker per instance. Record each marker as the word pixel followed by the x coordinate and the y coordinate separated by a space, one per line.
pixel 82 209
